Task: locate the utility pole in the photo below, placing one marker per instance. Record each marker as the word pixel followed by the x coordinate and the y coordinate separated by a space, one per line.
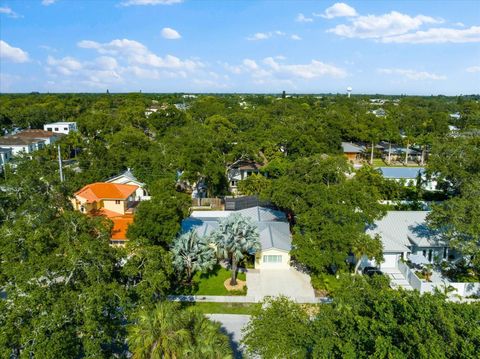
pixel 60 163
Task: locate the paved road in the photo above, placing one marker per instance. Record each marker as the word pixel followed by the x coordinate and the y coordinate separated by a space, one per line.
pixel 232 324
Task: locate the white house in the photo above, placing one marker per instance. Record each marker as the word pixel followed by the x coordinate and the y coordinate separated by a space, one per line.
pixel 273 228
pixel 46 136
pixel 127 177
pixel 239 170
pixel 409 176
pixel 61 127
pixel 404 233
pixel 20 145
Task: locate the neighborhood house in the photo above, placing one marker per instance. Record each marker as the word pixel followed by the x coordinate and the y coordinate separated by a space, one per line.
pixel 352 151
pixel 127 177
pixel 409 176
pixel 405 233
pixel 273 228
pixel 20 145
pixel 112 200
pixel 61 127
pixel 239 170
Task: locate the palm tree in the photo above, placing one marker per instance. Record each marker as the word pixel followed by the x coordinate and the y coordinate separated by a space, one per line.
pixel 208 341
pixel 192 253
pixel 160 333
pixel 236 236
pixel 169 332
pixel 366 245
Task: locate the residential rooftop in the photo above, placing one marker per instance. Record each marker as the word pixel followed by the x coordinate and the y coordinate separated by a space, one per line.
pixel 401 172
pixel 17 140
pixel 97 191
pixel 399 230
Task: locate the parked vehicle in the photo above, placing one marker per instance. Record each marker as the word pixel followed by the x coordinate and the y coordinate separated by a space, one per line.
pixel 371 271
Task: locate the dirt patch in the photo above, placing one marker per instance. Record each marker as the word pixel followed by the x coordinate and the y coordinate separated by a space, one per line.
pixel 240 285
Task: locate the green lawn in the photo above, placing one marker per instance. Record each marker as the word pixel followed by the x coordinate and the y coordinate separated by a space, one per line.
pixel 212 283
pixel 225 308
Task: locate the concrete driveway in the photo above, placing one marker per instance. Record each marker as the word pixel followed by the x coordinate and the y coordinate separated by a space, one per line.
pixel 232 325
pixel 275 282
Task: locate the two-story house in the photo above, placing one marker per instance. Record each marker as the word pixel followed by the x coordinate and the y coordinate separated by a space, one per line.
pixel 239 170
pixel 112 200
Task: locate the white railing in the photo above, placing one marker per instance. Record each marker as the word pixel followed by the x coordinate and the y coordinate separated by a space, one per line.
pixel 410 276
pixel 460 289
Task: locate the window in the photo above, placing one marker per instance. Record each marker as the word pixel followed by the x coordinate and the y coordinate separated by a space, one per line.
pixel 272 259
pixel 444 252
pixel 49 128
pixel 56 129
pixel 117 202
pixel 65 128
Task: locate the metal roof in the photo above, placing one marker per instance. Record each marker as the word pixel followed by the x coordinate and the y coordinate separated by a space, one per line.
pixel 272 226
pixel 352 148
pixel 399 230
pixel 401 172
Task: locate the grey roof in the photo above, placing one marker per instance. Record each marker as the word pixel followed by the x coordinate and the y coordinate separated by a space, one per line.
pixel 275 235
pixel 128 174
pixel 400 230
pixel 258 214
pixel 273 228
pixel 352 148
pixel 18 141
pixel 401 172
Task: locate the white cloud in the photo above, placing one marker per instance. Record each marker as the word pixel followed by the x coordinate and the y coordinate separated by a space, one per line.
pixel 171 34
pixel 260 36
pixel 149 2
pixel 137 53
pixel 9 12
pixel 48 2
pixel 412 74
pixel 437 35
pixel 250 64
pixel 372 26
pixel 308 71
pixel 13 54
pixel 65 66
pixel 302 18
pixel 271 34
pixel 272 68
pixel 339 9
pixel 473 69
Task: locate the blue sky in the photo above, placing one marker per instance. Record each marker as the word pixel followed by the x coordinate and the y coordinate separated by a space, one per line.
pixel 390 47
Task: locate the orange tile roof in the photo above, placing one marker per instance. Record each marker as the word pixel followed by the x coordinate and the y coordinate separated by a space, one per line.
pixel 120 226
pixel 101 190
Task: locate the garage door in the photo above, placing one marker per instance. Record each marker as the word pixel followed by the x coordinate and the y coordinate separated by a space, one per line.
pixel 272 261
pixel 390 261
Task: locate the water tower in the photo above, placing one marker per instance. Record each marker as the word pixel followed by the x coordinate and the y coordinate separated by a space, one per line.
pixel 349 91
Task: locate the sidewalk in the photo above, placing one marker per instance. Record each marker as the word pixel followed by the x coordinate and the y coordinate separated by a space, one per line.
pixel 239 299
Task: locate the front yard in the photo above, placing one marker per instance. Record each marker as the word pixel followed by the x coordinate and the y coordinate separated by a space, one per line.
pixel 212 283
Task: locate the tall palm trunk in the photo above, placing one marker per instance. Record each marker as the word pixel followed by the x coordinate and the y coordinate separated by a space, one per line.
pixel 371 155
pixel 233 281
pixel 422 159
pixel 406 153
pixel 389 152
